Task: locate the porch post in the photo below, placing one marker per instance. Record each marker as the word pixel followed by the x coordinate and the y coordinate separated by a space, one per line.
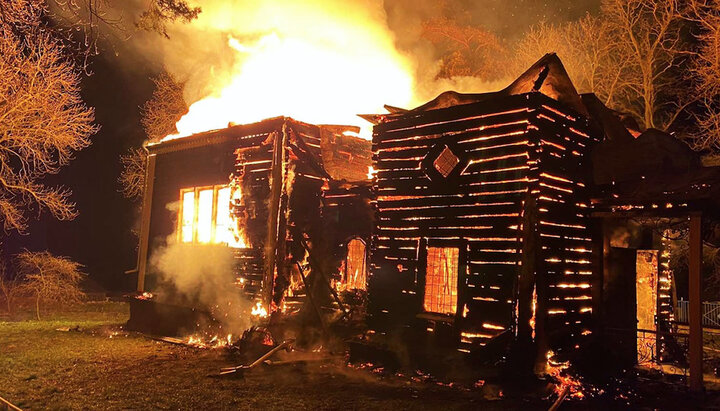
pixel 695 320
pixel 145 221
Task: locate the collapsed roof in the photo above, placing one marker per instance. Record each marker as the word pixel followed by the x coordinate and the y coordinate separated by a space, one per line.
pixel 327 148
pixel 651 165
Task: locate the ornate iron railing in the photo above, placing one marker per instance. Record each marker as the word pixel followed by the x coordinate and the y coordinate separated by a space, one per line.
pixel 710 313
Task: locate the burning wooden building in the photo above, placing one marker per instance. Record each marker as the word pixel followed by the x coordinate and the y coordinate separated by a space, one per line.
pixel 491 225
pixel 492 213
pixel 482 226
pixel 279 192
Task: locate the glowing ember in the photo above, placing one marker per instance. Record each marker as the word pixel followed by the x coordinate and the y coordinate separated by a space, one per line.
pixel 259 311
pixel 236 232
pixel 145 296
pixel 214 341
pixel 564 381
pixel 534 311
pixel 318 62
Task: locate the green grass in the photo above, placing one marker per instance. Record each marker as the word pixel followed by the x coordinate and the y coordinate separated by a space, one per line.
pixel 103 367
pixel 42 368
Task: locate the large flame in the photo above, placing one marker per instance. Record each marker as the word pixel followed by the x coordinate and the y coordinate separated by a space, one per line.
pixel 317 61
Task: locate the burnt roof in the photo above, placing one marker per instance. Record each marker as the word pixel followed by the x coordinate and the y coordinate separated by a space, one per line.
pixel 339 156
pixel 649 165
pixel 547 76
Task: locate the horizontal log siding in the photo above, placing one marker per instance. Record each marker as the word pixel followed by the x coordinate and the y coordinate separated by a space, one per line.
pixel 253 165
pixel 480 213
pixel 505 142
pixel 563 204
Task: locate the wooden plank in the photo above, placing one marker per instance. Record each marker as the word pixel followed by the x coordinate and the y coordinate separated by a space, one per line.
pixel 475 233
pixel 488 191
pixel 488 109
pixel 438 222
pixel 458 211
pixel 274 214
pixel 145 221
pixel 483 140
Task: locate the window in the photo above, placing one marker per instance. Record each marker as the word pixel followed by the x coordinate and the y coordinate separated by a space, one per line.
pixel 646 266
pixel 355 265
pixel 204 215
pixel 441 279
pixel 445 162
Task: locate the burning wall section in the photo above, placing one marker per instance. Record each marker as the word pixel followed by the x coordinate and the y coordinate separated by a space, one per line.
pixel 260 187
pixel 500 186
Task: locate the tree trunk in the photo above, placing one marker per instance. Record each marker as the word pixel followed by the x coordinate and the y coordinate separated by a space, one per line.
pixel 37 307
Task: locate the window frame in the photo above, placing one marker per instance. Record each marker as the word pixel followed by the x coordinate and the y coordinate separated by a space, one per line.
pixel 364 265
pixel 196 203
pixel 463 296
pixel 453 301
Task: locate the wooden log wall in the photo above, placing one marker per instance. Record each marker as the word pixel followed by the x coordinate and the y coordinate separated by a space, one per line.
pixel 566 265
pixel 302 177
pixel 507 148
pixel 253 166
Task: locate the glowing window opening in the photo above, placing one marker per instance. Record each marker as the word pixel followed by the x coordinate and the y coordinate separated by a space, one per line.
pixel 355 273
pixel 441 278
pixel 223 220
pixel 204 215
pixel 187 215
pixel 446 162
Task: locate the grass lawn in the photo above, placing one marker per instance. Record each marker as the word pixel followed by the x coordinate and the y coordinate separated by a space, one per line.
pixel 99 368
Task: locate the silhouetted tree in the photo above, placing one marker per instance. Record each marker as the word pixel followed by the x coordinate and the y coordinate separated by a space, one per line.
pixel 466 50
pixel 48 278
pixel 43 120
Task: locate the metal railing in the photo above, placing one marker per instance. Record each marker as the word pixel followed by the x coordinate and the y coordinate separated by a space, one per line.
pixel 710 313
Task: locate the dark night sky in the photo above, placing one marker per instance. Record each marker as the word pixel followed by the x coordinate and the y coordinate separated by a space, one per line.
pixel 100 237
pixel 510 17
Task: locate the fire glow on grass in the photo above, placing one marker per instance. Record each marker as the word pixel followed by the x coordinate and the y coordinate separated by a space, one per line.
pixel 321 62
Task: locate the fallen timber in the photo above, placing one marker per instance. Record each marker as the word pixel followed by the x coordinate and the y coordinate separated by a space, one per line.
pixel 240 369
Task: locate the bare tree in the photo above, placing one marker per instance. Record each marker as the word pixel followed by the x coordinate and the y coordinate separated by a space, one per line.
pixel 48 278
pixel 43 120
pixel 467 50
pixel 84 23
pixel 132 176
pixel 160 12
pixel 165 108
pixel 10 286
pixel 159 115
pixel 647 35
pixel 586 49
pixel 706 72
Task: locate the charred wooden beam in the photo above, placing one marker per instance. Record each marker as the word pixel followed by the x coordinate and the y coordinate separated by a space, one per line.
pixel 145 221
pixel 325 279
pixel 240 369
pixel 274 217
pixel 309 294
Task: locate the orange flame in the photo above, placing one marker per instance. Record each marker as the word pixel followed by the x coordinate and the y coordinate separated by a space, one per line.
pixel 237 239
pixel 214 341
pixel 259 311
pixel 564 381
pixel 317 61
